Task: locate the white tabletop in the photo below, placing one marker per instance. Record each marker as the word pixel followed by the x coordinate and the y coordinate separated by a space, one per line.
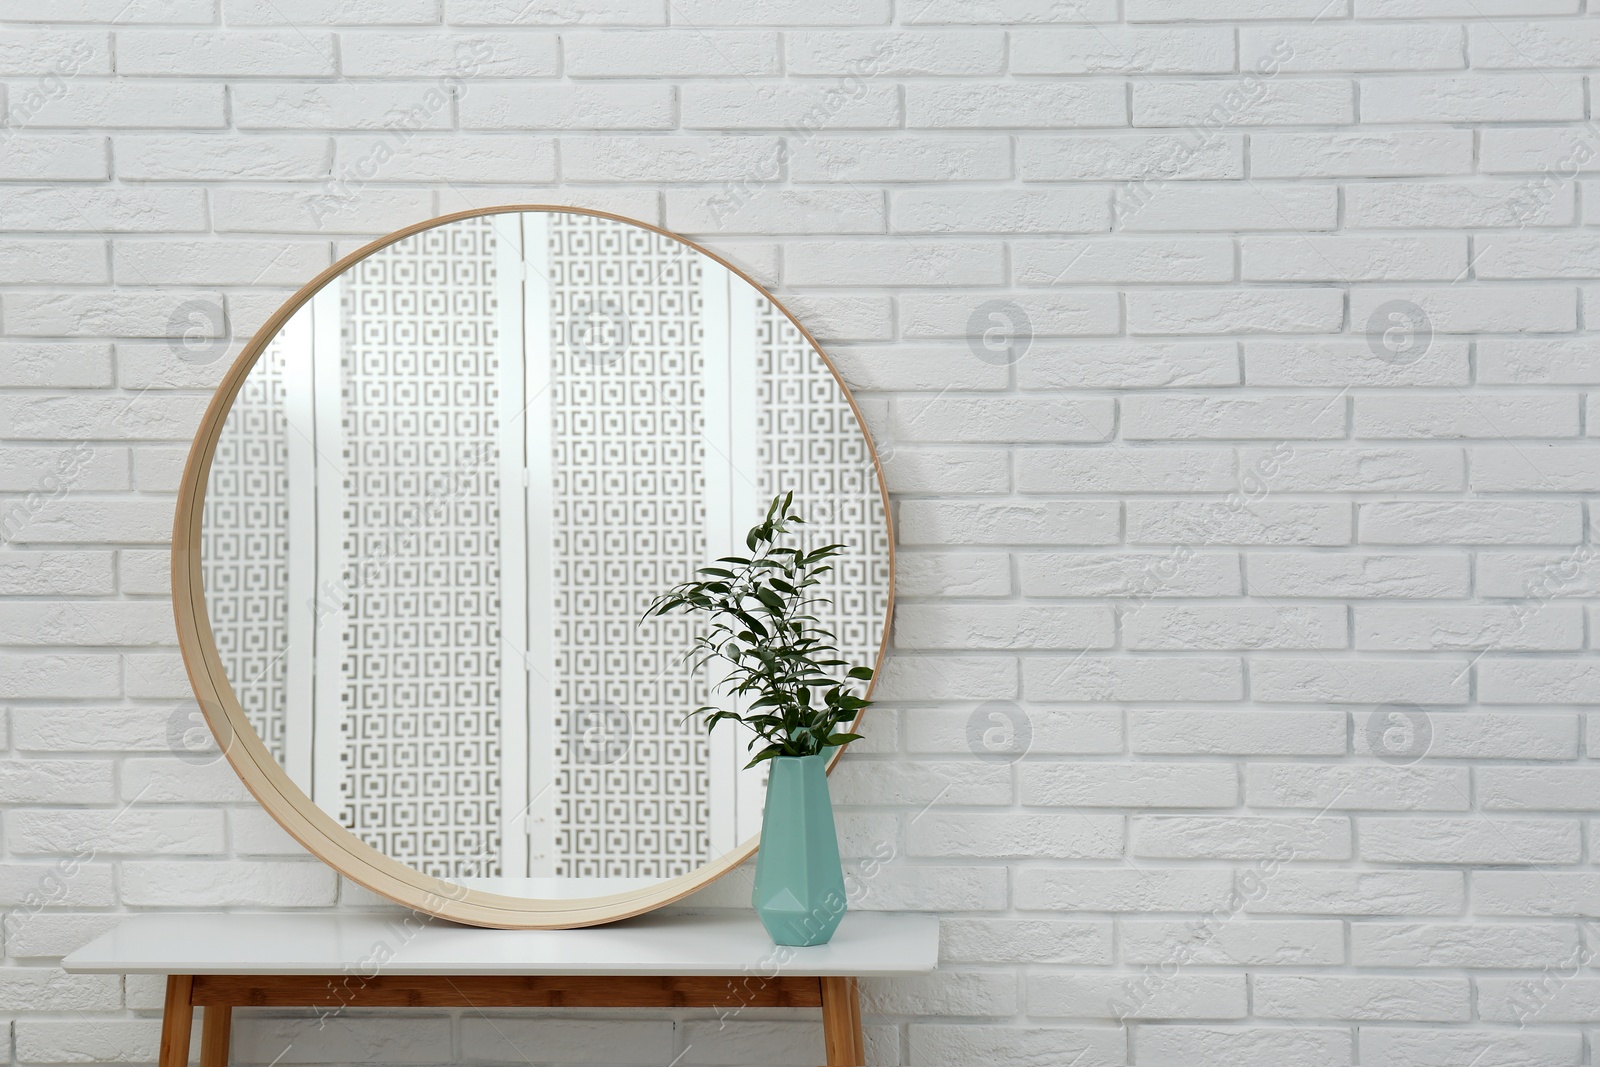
pixel 867 944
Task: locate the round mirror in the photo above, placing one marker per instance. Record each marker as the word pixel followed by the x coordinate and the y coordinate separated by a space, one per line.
pixel 423 519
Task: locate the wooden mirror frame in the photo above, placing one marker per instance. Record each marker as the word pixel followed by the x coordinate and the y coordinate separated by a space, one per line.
pixel 269 783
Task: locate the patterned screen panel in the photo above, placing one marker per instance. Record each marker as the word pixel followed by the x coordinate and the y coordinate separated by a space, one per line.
pixel 421 715
pixel 628 494
pixel 244 547
pixel 811 443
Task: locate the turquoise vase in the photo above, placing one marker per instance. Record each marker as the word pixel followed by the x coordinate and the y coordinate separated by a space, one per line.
pixel 799 890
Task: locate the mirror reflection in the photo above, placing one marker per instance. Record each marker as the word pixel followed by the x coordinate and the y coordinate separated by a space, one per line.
pixel 441 502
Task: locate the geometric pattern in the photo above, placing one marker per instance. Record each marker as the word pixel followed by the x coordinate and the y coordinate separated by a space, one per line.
pixel 421 708
pixel 628 469
pixel 244 547
pixel 812 443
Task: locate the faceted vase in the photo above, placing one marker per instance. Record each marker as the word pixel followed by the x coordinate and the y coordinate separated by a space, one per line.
pixel 799 891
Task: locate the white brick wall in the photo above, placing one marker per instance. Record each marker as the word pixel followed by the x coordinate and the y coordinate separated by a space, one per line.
pixel 1230 359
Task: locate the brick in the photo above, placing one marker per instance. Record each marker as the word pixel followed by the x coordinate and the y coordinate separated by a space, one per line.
pixel 1462 944
pixel 942 1045
pixel 974 420
pixel 113 210
pixel 1124 50
pixel 1361 153
pixel 1128 785
pixel 1025 941
pixel 1054 105
pixel 1485 522
pixel 1154 417
pixel 1356 787
pixel 1352 363
pixel 345 13
pixel 227 883
pixel 945 993
pixel 1122 890
pixel 1129 260
pixel 1252 1046
pixel 566 106
pixel 126 103
pixel 1053 730
pixel 1145 470
pixel 181 11
pixel 982 836
pixel 936 470
pixel 555 13
pixel 684 159
pixel 1236 838
pixel 1351 47
pixel 902 53
pixel 1476 205
pixel 1399 628
pixel 1130 574
pixel 932 522
pixel 1250 101
pixel 1475 309
pixel 925 676
pixel 1022 12
pixel 1137 158
pixel 1505 680
pixel 1195 206
pixel 1107 678
pixel 1180 626
pixel 1537 361
pixel 1245 733
pixel 187 157
pixel 441 157
pixel 1537 149
pixel 1068 210
pixel 1313 469
pixel 1505 1000
pixel 975 626
pixel 1099 996
pixel 1472 98
pixel 951 574
pixel 1514 45
pixel 225 53
pixel 458 56
pixel 1357 575
pixel 780 106
pixel 784 12
pixel 1311 258
pixel 1300 891
pixel 1185 522
pixel 68 157
pixel 1064 314
pixel 1277 943
pixel 1547 789
pixel 1489 735
pixel 1361 998
pixel 843 158
pixel 1357 681
pixel 1474 841
pixel 71 622
pixel 1536 893
pixel 1490 1047
pixel 1247 311
pixel 112 832
pixel 1231 10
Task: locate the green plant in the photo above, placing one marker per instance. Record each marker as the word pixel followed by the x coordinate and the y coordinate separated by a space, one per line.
pixel 762 627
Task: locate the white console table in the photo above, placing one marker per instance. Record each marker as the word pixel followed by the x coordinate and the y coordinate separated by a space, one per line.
pixel 332 962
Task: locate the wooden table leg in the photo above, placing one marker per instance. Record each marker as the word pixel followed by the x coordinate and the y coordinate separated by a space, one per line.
pixel 841 1023
pixel 176 1019
pixel 216 1027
